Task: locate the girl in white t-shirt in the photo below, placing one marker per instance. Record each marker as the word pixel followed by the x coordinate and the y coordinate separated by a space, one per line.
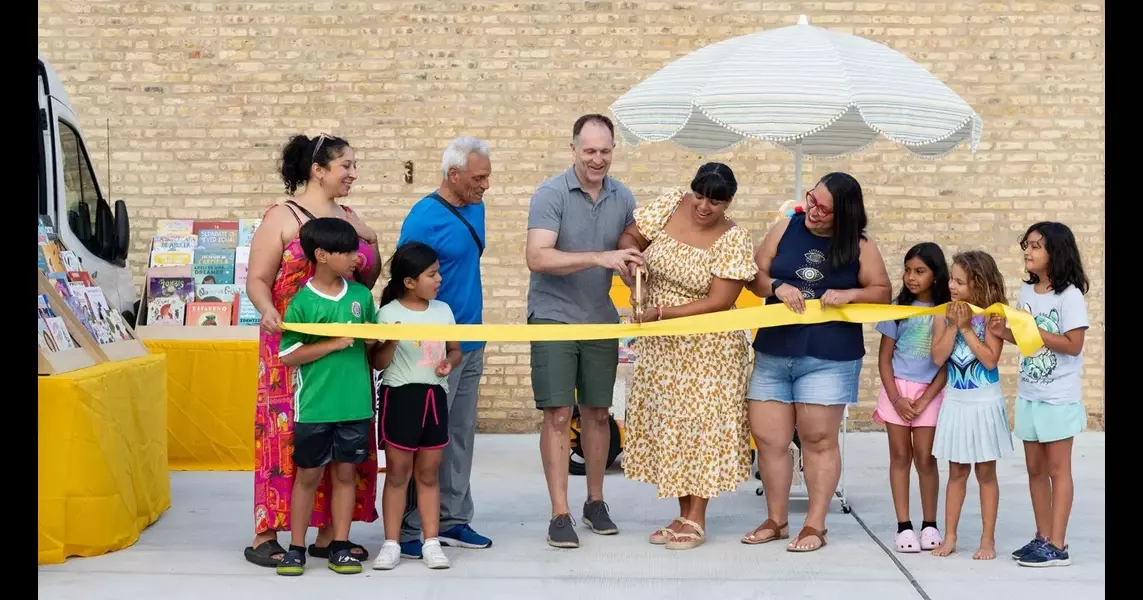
pixel 1049 402
pixel 413 425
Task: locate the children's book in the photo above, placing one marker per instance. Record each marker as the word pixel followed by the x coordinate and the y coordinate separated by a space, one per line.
pixel 209 314
pixel 213 266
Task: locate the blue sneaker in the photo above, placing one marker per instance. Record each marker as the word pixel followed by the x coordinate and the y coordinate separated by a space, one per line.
pixel 1046 555
pixel 411 549
pixel 462 536
pixel 1029 547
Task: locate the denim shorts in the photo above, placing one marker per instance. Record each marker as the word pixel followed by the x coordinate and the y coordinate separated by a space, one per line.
pixel 804 380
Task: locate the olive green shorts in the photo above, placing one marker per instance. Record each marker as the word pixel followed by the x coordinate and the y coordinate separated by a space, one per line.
pixel 564 372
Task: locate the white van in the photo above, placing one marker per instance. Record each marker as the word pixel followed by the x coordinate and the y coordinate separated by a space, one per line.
pixel 69 193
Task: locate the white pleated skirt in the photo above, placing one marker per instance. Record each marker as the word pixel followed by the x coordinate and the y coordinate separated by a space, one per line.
pixel 972 426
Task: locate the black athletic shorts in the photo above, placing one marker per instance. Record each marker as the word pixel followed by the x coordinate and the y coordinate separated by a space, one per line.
pixel 318 444
pixel 413 417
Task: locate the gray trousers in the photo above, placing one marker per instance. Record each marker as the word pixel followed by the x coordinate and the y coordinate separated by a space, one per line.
pixel 456 461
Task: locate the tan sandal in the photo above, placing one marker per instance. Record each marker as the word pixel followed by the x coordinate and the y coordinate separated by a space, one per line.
pixel 806 532
pixel 687 540
pixel 663 535
pixel 781 532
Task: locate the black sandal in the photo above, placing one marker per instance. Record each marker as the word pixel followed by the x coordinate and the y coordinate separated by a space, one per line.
pixel 293 563
pixel 263 555
pixel 357 551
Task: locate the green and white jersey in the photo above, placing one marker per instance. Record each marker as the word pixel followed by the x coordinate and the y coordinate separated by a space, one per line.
pixel 338 386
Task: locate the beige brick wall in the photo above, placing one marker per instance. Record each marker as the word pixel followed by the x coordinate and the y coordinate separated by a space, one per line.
pixel 200 97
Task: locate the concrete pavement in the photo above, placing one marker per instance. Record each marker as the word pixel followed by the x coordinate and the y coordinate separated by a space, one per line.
pixel 195 549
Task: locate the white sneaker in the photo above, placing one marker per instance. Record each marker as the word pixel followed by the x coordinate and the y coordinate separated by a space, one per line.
pixel 388 557
pixel 433 554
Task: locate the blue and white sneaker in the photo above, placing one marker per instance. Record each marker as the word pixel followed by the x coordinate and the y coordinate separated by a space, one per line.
pixel 1029 547
pixel 462 536
pixel 411 549
pixel 1046 555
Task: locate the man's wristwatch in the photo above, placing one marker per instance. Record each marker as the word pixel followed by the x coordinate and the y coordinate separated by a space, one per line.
pixel 774 285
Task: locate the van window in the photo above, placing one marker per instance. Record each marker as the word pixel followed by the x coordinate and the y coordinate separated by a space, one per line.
pixel 82 195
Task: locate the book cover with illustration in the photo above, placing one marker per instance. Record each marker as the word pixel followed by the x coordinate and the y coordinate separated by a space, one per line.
pixel 173 250
pixel 627 345
pixel 70 261
pixel 218 292
pixel 213 265
pixel 167 287
pixel 54 335
pixel 166 311
pixel 209 314
pixel 246 229
pixel 46 229
pixel 241 264
pixel 80 276
pixel 96 310
pixel 174 227
pixel 52 259
pixel 247 314
pixel 217 234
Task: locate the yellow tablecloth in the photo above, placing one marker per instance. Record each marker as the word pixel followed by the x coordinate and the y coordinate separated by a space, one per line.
pixel 102 457
pixel 211 389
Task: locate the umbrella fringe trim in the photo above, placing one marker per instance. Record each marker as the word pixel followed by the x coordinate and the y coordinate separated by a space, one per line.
pixel 974 137
pixel 973 118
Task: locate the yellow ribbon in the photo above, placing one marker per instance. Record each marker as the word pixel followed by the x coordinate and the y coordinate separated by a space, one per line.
pixel 1023 326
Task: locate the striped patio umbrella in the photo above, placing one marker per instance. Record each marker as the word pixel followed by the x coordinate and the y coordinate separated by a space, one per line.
pixel 807 89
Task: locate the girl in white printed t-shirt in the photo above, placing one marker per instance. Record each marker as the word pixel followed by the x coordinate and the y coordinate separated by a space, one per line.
pixel 1049 401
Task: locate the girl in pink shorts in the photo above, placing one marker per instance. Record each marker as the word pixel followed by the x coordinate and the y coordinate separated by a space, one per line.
pixel 911 393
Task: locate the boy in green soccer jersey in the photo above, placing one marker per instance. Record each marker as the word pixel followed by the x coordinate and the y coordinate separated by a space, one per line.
pixel 334 389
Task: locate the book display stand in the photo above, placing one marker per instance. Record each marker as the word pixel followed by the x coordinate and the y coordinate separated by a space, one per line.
pixel 73 311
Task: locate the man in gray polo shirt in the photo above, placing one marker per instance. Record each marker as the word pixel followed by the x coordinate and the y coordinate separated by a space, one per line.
pixel 574 223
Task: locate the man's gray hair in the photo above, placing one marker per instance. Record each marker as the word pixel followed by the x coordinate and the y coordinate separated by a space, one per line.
pixel 458 151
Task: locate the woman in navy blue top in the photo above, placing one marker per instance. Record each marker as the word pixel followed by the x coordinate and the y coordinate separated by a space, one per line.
pixel 809 373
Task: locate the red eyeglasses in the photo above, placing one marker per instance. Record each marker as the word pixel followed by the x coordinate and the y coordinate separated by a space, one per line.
pixel 812 202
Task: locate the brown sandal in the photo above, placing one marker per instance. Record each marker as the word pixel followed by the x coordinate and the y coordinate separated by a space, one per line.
pixel 806 532
pixel 781 532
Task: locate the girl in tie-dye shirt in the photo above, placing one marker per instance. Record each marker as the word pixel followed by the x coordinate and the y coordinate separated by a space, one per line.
pixel 912 390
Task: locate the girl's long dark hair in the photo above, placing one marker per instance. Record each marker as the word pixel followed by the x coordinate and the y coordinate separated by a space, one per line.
pixel 409 260
pixel 1064 264
pixel 934 258
pixel 849 219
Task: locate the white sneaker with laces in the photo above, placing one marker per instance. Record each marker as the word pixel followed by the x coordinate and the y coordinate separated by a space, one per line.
pixel 433 554
pixel 388 557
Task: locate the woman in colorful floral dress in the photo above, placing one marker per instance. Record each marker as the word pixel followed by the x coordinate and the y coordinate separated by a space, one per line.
pixel 325 169
pixel 687 431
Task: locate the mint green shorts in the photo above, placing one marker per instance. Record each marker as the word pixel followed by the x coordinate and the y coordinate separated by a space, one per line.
pixel 1042 422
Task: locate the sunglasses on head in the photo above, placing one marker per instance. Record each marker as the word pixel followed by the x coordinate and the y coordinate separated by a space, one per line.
pixel 320 140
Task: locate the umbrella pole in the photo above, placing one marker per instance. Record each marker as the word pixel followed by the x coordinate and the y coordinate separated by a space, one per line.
pixel 798 193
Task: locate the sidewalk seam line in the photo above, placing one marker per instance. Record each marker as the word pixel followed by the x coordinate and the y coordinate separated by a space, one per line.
pixel 900 567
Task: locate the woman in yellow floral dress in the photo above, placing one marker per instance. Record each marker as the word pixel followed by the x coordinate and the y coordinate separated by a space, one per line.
pixel 687 430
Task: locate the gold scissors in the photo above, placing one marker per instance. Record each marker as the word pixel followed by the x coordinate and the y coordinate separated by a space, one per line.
pixel 638 294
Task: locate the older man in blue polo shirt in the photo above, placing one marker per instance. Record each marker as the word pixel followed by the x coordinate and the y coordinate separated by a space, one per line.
pixel 451 221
